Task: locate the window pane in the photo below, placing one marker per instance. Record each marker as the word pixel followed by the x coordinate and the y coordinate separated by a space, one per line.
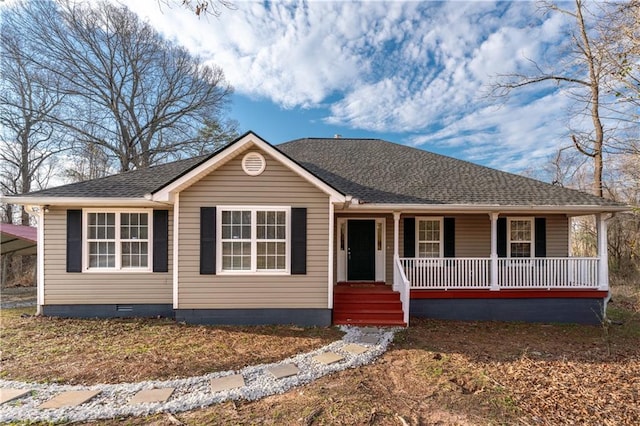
pixel 226 231
pixel 246 230
pixel 520 249
pixel 520 230
pixel 271 255
pixel 102 254
pixel 133 226
pixel 111 232
pixel 134 254
pixel 236 255
pixel 429 250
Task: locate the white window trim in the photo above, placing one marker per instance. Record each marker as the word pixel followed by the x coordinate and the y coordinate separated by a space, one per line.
pixel 118 268
pixel 417 234
pixel 254 241
pixel 533 235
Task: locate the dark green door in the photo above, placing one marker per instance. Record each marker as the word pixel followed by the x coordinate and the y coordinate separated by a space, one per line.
pixel 361 250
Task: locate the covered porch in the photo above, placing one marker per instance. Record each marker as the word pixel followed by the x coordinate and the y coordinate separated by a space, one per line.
pixel 426 257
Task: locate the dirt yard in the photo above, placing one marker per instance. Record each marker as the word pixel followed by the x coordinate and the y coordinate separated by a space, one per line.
pixel 43 349
pixel 436 372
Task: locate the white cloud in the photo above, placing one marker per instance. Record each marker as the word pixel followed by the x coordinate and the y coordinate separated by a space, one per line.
pixel 416 67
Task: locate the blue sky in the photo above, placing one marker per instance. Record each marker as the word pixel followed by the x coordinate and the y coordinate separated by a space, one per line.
pixel 413 72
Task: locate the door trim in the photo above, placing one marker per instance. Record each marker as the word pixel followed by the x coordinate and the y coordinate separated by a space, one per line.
pixel 342 243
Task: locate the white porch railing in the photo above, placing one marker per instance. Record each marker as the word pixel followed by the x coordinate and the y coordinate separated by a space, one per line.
pixel 557 272
pixel 447 273
pixel 401 285
pixel 513 273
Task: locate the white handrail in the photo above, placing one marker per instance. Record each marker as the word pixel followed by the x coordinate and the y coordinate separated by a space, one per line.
pixel 548 273
pixel 448 273
pixel 402 285
pixel 513 273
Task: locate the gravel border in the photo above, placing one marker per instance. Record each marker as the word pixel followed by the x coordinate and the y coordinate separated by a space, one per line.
pixel 194 392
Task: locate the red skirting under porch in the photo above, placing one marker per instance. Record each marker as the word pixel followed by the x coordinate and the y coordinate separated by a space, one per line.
pixel 508 294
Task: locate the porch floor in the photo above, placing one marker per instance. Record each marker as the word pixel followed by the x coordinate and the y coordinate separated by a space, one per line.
pixel 367 303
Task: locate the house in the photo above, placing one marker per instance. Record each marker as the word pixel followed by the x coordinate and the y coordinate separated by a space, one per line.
pixel 316 231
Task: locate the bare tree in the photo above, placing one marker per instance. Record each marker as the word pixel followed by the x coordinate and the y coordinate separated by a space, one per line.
pixel 28 139
pixel 202 7
pixel 621 30
pixel 584 71
pixel 128 92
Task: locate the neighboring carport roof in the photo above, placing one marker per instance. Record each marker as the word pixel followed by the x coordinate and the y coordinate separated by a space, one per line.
pixel 18 239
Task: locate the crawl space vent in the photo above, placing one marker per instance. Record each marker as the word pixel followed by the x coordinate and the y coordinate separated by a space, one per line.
pixel 253 163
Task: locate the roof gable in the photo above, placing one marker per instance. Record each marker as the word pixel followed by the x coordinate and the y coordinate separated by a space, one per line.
pixel 242 144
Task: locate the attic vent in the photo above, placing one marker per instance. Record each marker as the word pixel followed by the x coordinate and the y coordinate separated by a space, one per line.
pixel 253 163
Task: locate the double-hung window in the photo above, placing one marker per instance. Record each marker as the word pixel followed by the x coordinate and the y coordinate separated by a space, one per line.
pixel 520 237
pixel 117 240
pixel 254 239
pixel 429 239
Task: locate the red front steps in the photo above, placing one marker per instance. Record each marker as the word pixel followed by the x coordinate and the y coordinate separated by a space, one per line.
pixel 367 304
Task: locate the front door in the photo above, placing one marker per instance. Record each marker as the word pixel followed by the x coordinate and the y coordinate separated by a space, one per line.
pixel 361 250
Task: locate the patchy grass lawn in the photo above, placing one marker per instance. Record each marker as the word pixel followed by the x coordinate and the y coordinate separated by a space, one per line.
pixel 42 349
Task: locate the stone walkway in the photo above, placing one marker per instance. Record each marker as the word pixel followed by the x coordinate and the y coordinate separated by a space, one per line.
pixel 56 403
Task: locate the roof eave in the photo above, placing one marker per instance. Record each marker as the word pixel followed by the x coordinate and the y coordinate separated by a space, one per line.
pixel 487 208
pixel 80 201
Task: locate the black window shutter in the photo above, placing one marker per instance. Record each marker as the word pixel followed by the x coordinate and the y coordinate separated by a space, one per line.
pixel 502 237
pixel 161 241
pixel 74 240
pixel 541 236
pixel 298 240
pixel 409 237
pixel 207 240
pixel 449 237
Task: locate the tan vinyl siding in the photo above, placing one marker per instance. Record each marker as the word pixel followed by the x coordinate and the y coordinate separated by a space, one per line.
pixel 276 186
pixel 62 288
pixel 473 234
pixel 557 236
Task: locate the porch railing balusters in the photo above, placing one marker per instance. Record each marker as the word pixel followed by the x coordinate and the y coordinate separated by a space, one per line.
pixel 513 273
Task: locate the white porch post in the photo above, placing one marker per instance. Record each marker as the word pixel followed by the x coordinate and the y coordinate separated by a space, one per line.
pixel 396 234
pixel 332 232
pixel 494 251
pixel 40 261
pixel 603 256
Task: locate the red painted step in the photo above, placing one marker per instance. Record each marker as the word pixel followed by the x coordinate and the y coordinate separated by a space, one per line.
pixel 367 304
pixel 371 322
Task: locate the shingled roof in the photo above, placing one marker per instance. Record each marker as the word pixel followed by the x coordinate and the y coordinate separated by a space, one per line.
pixel 371 170
pixel 132 184
pixel 377 171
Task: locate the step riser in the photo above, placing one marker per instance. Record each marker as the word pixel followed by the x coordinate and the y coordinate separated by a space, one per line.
pixel 383 297
pixel 372 323
pixel 398 316
pixel 355 306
